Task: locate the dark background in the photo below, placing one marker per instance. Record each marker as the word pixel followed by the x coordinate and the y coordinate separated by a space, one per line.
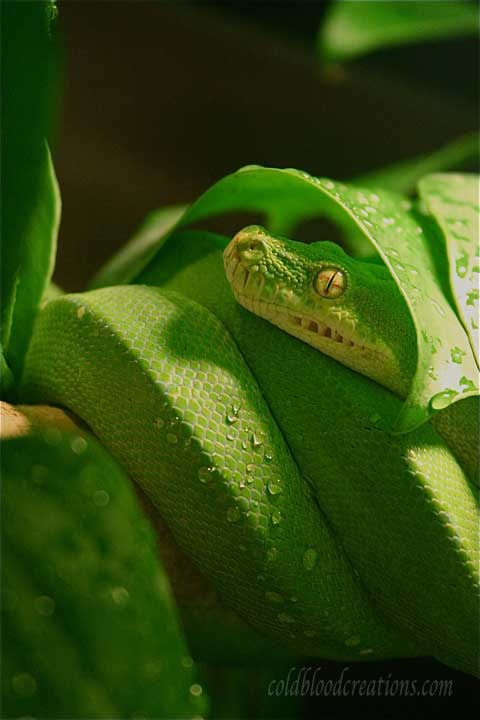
pixel 162 99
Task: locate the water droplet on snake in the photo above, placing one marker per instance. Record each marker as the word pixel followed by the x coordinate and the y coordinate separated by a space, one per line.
pixel 309 559
pixel 78 444
pixel 272 554
pixel 285 618
pixel 233 514
pixel 24 684
pixel 352 641
pixel 274 488
pixel 205 474
pixel 45 605
pixel 120 595
pixel 101 498
pixel 256 441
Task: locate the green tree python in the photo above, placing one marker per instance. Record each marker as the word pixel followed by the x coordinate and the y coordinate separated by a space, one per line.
pixel 251 388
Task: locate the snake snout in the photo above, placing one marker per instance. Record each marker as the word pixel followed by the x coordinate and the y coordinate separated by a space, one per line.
pixel 247 246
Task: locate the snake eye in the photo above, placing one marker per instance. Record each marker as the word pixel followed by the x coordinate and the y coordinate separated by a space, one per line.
pixel 330 282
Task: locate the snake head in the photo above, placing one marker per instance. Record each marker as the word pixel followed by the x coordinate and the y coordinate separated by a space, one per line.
pixel 348 309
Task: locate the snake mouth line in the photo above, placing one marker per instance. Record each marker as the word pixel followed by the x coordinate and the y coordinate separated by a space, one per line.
pixel 308 328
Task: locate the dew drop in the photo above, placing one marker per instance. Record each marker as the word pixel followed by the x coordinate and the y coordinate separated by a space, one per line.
pixel 250 468
pixel 256 441
pixel 268 457
pixel 45 605
pixel 205 474
pixel 442 399
pixel 233 514
pixel 120 595
pixel 172 438
pixel 231 419
pixel 366 651
pixel 274 488
pixel 309 633
pixel 230 436
pixel 101 498
pixel 467 384
pixel 352 641
pixel 273 597
pixel 457 354
pixel 461 266
pixel 159 423
pixel 196 690
pixel 309 559
pixel 272 554
pixel 24 684
pixel 285 618
pixel 78 444
pixel 187 661
pixel 261 578
pixel 276 517
pixel 294 599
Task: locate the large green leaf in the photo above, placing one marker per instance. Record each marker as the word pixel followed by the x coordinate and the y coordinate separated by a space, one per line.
pixel 410 247
pixel 37 260
pixel 453 200
pixel 354 28
pixel 28 78
pixel 88 625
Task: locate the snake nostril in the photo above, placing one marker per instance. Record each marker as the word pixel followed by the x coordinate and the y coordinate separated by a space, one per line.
pixel 250 245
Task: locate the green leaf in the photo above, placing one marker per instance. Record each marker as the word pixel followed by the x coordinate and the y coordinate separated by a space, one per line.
pixel 130 260
pixel 88 624
pixel 37 260
pixel 453 201
pixel 28 76
pixel 353 28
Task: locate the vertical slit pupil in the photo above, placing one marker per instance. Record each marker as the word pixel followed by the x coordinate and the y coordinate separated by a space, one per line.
pixel 330 282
